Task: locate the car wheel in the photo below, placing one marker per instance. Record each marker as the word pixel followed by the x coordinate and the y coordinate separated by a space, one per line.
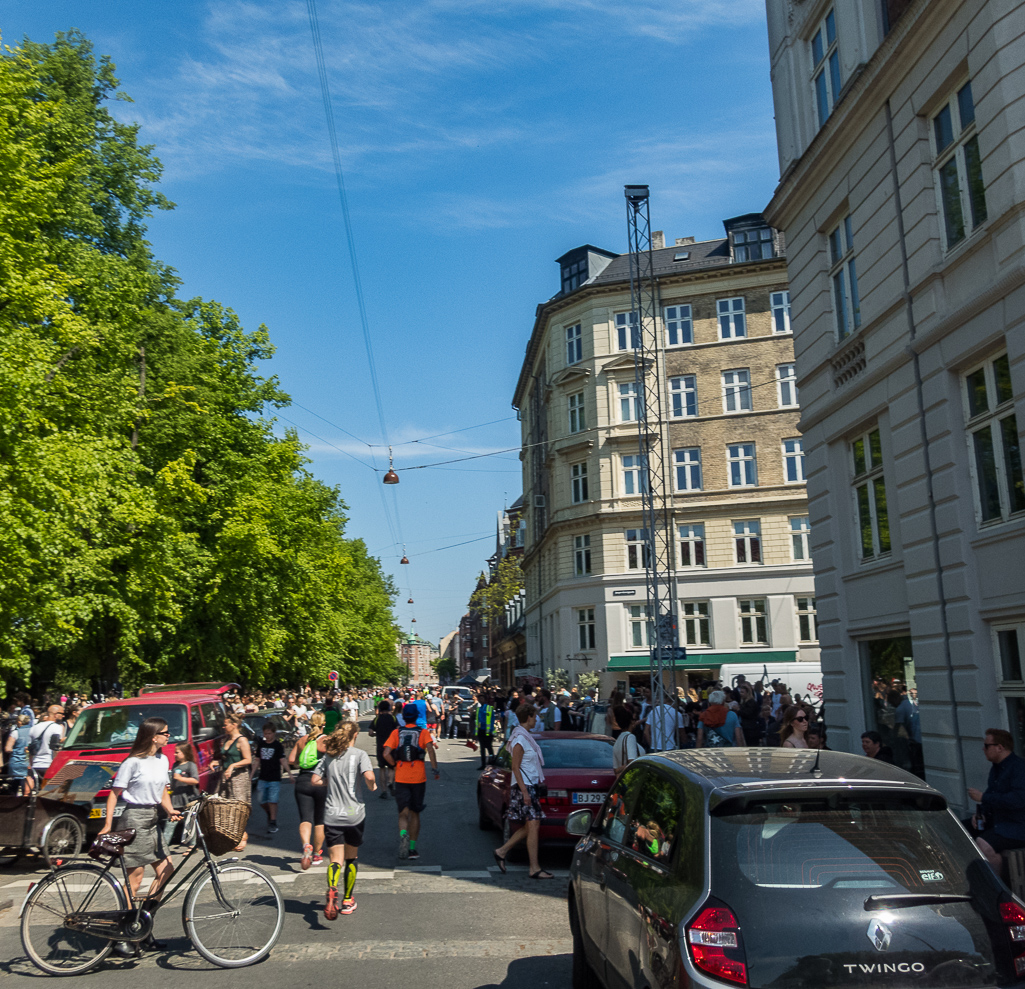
pixel 584 976
pixel 483 821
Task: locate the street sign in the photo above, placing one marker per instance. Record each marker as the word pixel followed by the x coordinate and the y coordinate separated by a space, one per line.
pixel 665 629
pixel 333 676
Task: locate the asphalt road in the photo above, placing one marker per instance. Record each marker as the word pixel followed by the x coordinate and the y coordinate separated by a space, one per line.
pixel 449 919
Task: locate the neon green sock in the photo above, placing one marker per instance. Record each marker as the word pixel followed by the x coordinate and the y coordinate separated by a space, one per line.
pixel 403 832
pixel 412 844
pixel 350 877
pixel 333 872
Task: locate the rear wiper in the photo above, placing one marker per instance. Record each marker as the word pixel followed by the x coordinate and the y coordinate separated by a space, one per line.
pixel 894 901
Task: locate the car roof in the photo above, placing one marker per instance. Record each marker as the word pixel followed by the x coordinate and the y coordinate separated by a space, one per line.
pixel 171 697
pixel 552 736
pixel 746 769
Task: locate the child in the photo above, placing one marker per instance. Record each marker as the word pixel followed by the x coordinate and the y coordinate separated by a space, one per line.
pixel 184 786
pixel 270 762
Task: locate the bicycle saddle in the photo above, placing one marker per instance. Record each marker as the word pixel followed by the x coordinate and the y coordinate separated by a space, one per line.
pixel 112 843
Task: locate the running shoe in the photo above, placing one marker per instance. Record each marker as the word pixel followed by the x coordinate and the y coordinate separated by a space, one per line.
pixel 414 854
pixel 318 859
pixel 273 829
pixel 307 858
pixel 404 852
pixel 331 907
pixel 348 906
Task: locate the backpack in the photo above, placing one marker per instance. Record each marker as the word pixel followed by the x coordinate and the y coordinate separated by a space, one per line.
pixel 36 742
pixel 408 749
pixel 715 740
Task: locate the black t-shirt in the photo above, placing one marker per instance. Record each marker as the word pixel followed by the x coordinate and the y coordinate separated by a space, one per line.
pixel 384 725
pixel 270 757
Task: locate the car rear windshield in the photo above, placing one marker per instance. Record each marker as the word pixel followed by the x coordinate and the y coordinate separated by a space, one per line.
pixel 105 727
pixel 576 753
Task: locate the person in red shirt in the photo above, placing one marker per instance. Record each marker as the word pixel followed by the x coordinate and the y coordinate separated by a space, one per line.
pixel 407 749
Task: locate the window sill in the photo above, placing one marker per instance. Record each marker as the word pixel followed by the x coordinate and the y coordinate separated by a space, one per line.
pixel 995 530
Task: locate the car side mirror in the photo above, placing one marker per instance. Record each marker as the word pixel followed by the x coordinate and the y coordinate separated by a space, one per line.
pixel 205 734
pixel 578 823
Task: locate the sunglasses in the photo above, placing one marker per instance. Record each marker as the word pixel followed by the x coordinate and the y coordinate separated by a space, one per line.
pixel 802 718
pixel 162 733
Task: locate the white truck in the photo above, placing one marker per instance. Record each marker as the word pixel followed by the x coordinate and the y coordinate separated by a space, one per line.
pixel 800 678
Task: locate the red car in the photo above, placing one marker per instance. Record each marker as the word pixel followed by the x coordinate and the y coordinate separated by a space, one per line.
pixel 578 771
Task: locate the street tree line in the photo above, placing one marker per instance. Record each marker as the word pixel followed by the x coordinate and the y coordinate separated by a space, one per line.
pixel 152 526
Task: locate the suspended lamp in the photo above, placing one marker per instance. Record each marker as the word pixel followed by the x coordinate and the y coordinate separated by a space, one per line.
pixel 410 601
pixel 391 477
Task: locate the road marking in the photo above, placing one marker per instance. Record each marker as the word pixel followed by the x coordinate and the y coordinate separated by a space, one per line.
pixel 505 948
pixel 420 868
pixel 467 874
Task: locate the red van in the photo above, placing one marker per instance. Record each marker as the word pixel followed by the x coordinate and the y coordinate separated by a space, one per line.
pixel 99 740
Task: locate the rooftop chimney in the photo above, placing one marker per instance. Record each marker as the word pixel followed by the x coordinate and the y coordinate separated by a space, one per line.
pixel 658 240
pixel 681 241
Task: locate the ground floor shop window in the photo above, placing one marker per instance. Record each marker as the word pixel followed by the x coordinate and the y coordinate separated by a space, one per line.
pixel 892 701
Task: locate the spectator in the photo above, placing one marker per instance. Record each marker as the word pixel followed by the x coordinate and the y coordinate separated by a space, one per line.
pixel 549 717
pixel 719 727
pixel 663 729
pixel 872 746
pixel 626 748
pixel 751 723
pixel 816 737
pixel 1003 802
pixel 795 725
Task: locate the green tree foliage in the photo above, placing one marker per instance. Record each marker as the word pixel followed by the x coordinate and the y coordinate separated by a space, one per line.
pixel 151 524
pixel 445 668
pixel 491 597
pixel 558 679
pixel 588 680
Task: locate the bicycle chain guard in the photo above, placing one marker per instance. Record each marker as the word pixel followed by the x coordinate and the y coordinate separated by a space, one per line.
pixel 115 925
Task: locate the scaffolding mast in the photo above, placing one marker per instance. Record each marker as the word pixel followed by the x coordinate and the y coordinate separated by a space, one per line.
pixel 654 468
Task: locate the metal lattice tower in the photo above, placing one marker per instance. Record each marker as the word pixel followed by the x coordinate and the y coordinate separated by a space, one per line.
pixel 653 446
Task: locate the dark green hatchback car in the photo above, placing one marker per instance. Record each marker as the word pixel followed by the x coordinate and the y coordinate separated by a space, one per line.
pixel 783 869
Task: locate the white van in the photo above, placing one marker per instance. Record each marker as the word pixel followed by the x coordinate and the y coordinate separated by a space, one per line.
pixel 800 678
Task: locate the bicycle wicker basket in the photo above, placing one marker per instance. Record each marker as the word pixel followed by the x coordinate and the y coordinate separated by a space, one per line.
pixel 223 822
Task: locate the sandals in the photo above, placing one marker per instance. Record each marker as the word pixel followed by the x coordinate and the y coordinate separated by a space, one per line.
pixel 500 859
pixel 541 874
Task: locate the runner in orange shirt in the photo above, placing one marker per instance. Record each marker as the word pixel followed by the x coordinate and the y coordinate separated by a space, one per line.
pixel 406 749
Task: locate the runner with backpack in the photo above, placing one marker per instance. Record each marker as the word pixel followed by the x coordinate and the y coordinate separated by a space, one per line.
pixel 407 749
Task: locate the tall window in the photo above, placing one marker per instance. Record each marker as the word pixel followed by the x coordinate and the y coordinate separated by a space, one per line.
pixel 742 464
pixel 844 277
pixel 958 166
pixel 786 386
pixel 870 494
pixel 628 334
pixel 638 549
pixel 679 328
pixel 807 622
pixel 825 73
pixel 697 629
pixel 578 483
pixel 793 460
pixel 736 390
pixel 581 555
pixel 747 540
pixel 641 633
pixel 585 628
pixel 752 245
pixel 688 468
pixel 780 304
pixel 576 413
pixel 629 402
pixel 800 535
pixel 732 323
pixel 993 440
pixel 635 474
pixel 754 628
pixel 574 344
pixel 684 394
pixel 692 545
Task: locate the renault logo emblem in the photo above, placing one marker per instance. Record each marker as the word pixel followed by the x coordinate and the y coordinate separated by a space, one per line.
pixel 879 934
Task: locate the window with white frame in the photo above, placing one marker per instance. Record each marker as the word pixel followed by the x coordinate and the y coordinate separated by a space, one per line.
pixel 993 440
pixel 628 336
pixel 576 413
pixel 825 73
pixel 585 629
pixel 736 390
pixel 807 621
pixel 638 549
pixel 581 555
pixel 793 460
pixel 747 541
pixel 786 386
pixel 843 275
pixel 957 166
pixel 630 409
pixel 743 467
pixel 687 463
pixel 641 633
pixel 697 626
pixel 635 474
pixel 800 536
pixel 692 545
pixel 574 344
pixel 1009 648
pixel 683 394
pixel 754 626
pixel 679 327
pixel 752 245
pixel 732 323
pixel 780 305
pixel 578 483
pixel 870 495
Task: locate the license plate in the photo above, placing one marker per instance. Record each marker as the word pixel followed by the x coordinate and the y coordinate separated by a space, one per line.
pixel 101 812
pixel 588 798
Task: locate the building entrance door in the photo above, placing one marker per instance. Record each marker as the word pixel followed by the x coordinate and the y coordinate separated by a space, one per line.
pixel 892 700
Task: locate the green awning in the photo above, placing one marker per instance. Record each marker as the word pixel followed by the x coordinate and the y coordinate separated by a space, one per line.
pixel 702 660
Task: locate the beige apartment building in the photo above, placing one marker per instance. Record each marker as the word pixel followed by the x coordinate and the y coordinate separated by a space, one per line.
pixel 901 127
pixel 744 586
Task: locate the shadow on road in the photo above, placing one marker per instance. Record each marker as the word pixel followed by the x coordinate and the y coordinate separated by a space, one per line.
pixel 541 970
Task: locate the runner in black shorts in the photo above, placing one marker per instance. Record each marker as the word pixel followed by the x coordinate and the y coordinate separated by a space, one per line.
pixel 345 814
pixel 384 724
pixel 410 776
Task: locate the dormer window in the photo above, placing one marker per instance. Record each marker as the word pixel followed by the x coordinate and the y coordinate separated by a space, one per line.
pixel 574 275
pixel 752 245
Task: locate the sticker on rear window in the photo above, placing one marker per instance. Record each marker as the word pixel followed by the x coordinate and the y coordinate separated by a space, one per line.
pixel 930 876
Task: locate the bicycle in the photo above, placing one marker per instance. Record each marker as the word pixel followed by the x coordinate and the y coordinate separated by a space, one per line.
pixel 233 912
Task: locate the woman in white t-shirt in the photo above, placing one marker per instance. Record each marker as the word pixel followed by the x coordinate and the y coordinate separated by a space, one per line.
pixel 141 784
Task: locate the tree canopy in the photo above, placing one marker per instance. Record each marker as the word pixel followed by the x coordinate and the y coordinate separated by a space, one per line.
pixel 152 525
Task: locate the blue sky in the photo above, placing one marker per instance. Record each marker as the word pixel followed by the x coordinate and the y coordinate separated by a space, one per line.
pixel 480 140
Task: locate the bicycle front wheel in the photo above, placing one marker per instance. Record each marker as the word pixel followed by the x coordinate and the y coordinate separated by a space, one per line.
pixel 240 925
pixel 51 946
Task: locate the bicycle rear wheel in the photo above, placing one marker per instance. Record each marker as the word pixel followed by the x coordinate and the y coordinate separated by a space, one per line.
pixel 50 945
pixel 243 928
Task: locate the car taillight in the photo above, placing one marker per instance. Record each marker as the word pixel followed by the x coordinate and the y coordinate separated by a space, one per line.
pixel 556 797
pixel 1013 916
pixel 713 938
